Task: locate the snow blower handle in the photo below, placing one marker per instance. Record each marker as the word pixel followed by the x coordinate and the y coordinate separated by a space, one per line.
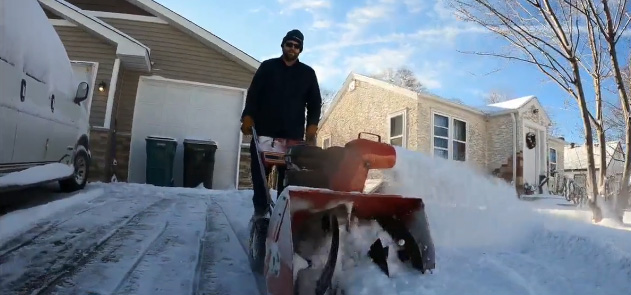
pixel 262 174
pixel 373 134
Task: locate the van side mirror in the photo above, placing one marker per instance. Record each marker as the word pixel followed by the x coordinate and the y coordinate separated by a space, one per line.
pixel 82 92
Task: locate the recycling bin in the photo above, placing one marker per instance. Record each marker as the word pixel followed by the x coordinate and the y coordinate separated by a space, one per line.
pixel 160 159
pixel 199 162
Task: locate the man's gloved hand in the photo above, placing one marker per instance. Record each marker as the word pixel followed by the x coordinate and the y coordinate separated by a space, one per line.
pixel 246 125
pixel 310 136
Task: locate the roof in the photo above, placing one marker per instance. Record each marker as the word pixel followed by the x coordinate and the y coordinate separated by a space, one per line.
pixel 198 33
pixel 506 106
pixel 496 109
pixel 132 52
pixel 576 158
pixel 391 87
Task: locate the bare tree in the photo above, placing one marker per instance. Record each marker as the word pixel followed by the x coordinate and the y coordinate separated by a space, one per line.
pixel 495 96
pixel 403 77
pixel 547 34
pixel 597 71
pixel 327 98
pixel 611 19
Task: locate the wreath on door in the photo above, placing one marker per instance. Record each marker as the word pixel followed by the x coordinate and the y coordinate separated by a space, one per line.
pixel 531 140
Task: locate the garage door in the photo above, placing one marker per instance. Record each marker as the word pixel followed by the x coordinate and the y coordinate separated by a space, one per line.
pixel 180 110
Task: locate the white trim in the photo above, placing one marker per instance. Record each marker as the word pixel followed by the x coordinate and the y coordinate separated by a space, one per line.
pixel 325 137
pixel 404 136
pixel 236 184
pixel 95 70
pixel 61 22
pixel 450 137
pixel 126 46
pixel 541 135
pixel 556 154
pixel 127 16
pixel 107 123
pixel 206 37
pixel 160 78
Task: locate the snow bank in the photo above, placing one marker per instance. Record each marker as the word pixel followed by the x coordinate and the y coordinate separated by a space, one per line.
pixel 464 207
pixel 17 222
pixel 36 174
pixel 30 43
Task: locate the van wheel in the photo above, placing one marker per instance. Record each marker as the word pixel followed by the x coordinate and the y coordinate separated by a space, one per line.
pixel 81 169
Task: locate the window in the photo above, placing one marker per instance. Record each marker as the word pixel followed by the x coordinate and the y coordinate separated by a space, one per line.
pixel 397 127
pixel 552 159
pixel 450 138
pixel 326 142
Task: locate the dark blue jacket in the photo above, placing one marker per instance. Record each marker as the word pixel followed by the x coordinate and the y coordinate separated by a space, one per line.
pixel 278 96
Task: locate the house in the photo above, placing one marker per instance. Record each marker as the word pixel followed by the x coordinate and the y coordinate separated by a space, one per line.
pixel 153 73
pixel 486 138
pixel 576 162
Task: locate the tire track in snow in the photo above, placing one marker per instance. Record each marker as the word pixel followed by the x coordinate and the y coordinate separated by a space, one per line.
pixel 45 269
pixel 223 266
pixel 170 264
pixel 41 229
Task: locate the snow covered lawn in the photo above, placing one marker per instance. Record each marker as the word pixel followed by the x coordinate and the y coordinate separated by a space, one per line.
pixel 139 239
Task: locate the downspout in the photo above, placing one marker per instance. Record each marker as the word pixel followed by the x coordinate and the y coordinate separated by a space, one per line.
pixel 512 115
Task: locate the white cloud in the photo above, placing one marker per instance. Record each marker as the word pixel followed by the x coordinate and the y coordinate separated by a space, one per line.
pixel 373 63
pixel 316 8
pixel 321 24
pixel 358 19
pixel 414 6
pixel 429 37
pixel 304 4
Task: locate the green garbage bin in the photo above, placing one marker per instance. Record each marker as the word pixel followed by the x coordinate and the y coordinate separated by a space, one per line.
pixel 160 158
pixel 199 162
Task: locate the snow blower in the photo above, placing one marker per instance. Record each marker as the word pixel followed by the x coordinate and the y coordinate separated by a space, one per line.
pixel 312 231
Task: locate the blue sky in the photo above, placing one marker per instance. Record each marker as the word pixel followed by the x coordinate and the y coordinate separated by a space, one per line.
pixel 367 36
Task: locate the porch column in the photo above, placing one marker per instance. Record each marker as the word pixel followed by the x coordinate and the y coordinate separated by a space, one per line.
pixel 110 95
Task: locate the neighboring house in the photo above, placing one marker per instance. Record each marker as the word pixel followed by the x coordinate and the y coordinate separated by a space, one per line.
pixel 153 72
pixel 576 162
pixel 487 138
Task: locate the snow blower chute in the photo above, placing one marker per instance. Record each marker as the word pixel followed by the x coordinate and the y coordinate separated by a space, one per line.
pixel 300 245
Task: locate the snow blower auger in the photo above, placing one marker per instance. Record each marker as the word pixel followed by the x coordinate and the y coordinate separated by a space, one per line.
pixel 316 227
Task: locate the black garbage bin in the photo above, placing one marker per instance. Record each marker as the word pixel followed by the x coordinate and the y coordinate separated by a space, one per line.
pixel 199 162
pixel 160 158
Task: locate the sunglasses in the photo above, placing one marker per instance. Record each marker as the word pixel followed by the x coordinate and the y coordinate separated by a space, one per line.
pixel 292 45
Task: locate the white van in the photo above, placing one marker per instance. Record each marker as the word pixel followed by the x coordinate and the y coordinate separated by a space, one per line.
pixel 44 121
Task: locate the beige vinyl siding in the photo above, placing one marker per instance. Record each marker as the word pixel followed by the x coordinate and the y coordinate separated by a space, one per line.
pixel 82 46
pixel 175 55
pixel 126 101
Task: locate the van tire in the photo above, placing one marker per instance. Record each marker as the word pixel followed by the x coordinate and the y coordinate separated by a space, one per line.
pixel 79 179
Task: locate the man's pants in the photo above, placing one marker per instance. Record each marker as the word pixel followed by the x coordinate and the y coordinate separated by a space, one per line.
pixel 259 200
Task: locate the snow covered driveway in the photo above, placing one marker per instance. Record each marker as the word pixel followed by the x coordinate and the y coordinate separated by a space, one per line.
pixel 138 239
pixel 124 239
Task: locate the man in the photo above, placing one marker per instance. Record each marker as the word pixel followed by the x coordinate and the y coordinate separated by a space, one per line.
pixel 275 105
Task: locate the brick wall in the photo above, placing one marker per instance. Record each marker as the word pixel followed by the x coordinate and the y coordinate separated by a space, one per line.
pixel 100 149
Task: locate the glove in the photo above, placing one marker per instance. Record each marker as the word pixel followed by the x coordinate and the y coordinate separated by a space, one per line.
pixel 311 134
pixel 246 125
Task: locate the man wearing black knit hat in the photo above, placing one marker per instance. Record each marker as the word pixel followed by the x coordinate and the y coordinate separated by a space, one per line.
pixel 280 91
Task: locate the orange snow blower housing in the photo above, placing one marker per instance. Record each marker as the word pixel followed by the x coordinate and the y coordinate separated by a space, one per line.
pixel 322 205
